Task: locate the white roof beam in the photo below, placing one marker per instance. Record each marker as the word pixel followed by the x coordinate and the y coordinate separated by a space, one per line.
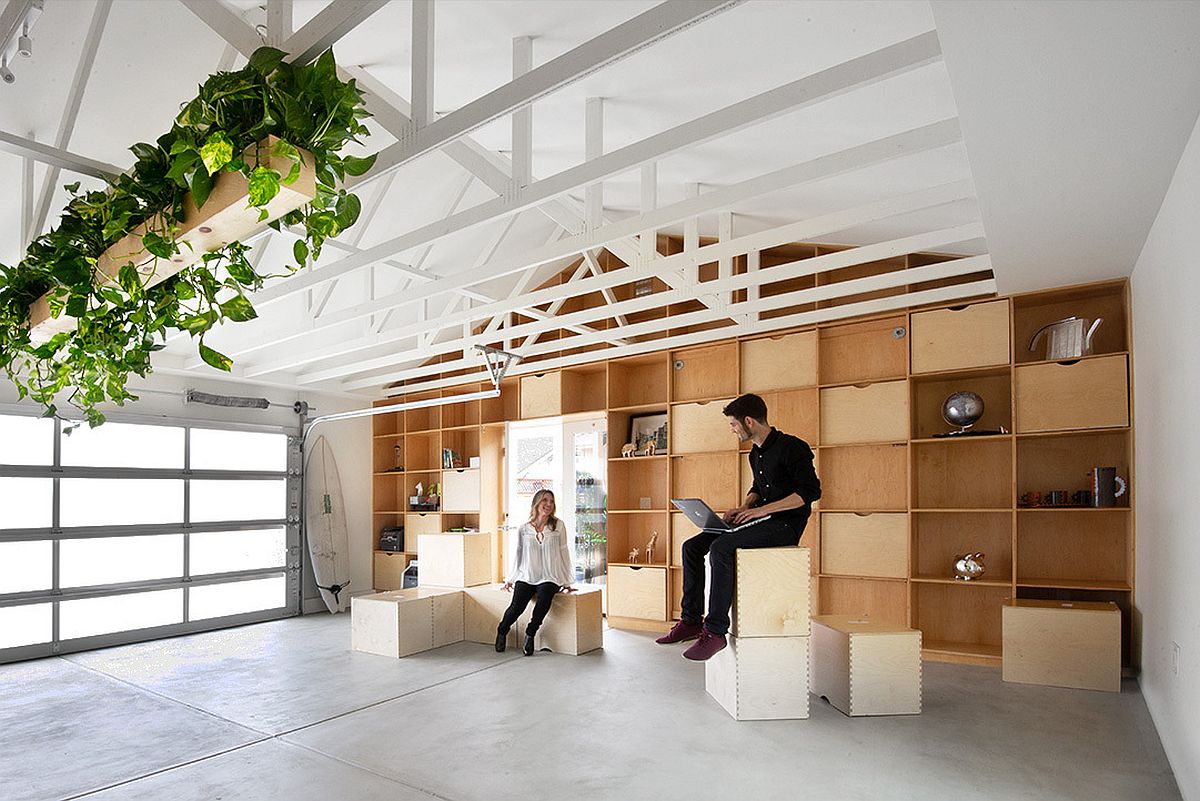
pixel 279 21
pixel 832 261
pixel 799 297
pixel 422 64
pixel 332 23
pixel 643 30
pixel 593 139
pixel 845 77
pixel 522 118
pixel 66 127
pixel 27 233
pixel 57 157
pixel 226 24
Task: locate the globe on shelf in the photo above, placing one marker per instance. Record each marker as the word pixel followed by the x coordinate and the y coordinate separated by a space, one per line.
pixel 962 409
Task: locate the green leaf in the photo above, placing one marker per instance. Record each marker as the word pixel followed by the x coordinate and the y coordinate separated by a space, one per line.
pixel 239 309
pixel 263 214
pixel 199 323
pixel 216 152
pixel 217 360
pixel 241 271
pixel 144 152
pixel 180 166
pixel 358 166
pixel 266 59
pixel 348 209
pixel 158 245
pixel 264 185
pixel 77 305
pixel 300 251
pixel 201 187
pixel 72 188
pixel 129 280
pixel 52 346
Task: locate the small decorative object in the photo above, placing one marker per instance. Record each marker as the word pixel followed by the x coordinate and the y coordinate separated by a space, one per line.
pixel 1107 486
pixel 1057 498
pixel 648 428
pixel 420 489
pixel 1067 339
pixel 962 409
pixel 473 461
pixel 650 546
pixel 1031 499
pixel 399 451
pixel 633 556
pixel 650 447
pixel 628 449
pixel 1081 498
pixel 968 566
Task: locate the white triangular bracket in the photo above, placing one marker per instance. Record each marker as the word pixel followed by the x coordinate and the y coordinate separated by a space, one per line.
pixel 497 361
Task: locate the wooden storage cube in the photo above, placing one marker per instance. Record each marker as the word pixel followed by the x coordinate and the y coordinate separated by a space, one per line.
pixel 454 560
pixel 463 444
pixel 460 490
pixel 870 413
pixel 929 395
pixel 620 430
pixel 541 395
pixel 387 453
pixel 1065 461
pixel 584 388
pixel 960 337
pixel 873 350
pixel 771 592
pixel 387 493
pixel 760 678
pixel 575 623
pixel 505 407
pixel 1085 548
pixel 426 418
pixel 940 537
pixel 638 381
pixel 386 424
pixel 638 483
pixel 1123 599
pixel 1106 301
pixel 418 523
pixel 463 413
pixel 786 361
pixel 963 474
pixel 1089 393
pixel 700 427
pixel 865 667
pixel 864 477
pixel 637 592
pixel 864 544
pixel 883 600
pixel 423 452
pixel 406 622
pixel 960 620
pixel 706 372
pixel 712 477
pixel 628 530
pixel 794 412
pixel 388 570
pixel 1073 644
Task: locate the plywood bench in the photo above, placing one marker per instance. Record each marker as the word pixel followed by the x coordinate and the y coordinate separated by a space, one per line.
pixel 1063 644
pixel 574 625
pixel 404 622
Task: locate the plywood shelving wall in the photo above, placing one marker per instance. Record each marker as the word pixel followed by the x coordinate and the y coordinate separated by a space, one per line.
pixel 899 502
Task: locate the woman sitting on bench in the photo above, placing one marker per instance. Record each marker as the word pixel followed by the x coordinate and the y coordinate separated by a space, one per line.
pixel 542 568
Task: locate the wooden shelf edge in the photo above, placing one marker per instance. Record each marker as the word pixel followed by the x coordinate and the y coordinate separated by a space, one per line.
pixel 896 579
pixel 948 440
pixel 962 653
pixel 1074 584
pixel 973 583
pixel 1089 357
pixel 964 372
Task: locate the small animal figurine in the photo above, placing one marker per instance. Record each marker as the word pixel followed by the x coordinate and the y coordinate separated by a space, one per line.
pixel 650 546
pixel 628 449
pixel 968 566
pixel 651 445
pixel 633 556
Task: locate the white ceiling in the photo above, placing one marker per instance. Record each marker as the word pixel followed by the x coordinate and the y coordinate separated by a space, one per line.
pixel 1073 119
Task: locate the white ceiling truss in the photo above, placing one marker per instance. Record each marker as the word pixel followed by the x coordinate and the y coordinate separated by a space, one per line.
pixel 546 265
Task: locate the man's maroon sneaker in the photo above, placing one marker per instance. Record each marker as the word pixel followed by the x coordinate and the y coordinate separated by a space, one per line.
pixel 705 647
pixel 681 632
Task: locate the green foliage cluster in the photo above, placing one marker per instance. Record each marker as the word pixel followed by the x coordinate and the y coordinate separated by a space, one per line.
pixel 307 107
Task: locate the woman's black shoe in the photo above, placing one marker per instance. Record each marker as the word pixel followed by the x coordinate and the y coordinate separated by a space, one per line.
pixel 528 645
pixel 501 641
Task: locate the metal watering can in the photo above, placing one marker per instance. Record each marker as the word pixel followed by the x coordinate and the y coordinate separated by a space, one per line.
pixel 1067 339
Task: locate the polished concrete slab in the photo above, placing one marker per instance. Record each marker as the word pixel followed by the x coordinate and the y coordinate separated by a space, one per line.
pixel 465 723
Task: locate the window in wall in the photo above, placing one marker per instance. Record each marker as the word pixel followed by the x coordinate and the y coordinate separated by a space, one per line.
pixel 116 560
pixel 26 502
pixel 25 625
pixel 26 440
pixel 124 445
pixel 213 449
pixel 120 501
pixel 26 566
pixel 214 501
pixel 87 617
pixel 225 551
pixel 237 597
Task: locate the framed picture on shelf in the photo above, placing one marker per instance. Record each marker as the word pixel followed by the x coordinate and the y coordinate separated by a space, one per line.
pixel 648 428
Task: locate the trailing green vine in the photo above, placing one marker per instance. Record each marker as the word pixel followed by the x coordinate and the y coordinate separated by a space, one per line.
pixel 121 323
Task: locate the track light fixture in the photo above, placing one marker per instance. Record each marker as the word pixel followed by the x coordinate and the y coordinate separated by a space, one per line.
pixel 6 74
pixel 17 16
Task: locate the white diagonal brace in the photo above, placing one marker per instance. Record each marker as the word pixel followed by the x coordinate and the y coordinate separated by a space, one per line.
pixel 226 24
pixel 643 30
pixel 837 80
pixel 422 63
pixel 66 127
pixel 57 157
pixel 941 270
pixel 933 240
pixel 279 21
pixel 333 22
pixel 594 269
pixel 522 118
pixel 26 203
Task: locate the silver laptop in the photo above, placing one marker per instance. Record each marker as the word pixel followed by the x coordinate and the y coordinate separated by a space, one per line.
pixel 705 518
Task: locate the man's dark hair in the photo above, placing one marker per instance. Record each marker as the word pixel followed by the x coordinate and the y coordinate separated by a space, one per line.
pixel 747 406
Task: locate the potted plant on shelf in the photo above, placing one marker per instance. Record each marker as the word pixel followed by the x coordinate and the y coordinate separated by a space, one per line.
pixel 160 249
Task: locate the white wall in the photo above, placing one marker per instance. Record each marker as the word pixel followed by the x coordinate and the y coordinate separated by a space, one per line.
pixel 161 396
pixel 1166 332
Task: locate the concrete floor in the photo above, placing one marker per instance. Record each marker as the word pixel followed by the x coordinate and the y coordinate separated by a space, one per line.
pixel 286 710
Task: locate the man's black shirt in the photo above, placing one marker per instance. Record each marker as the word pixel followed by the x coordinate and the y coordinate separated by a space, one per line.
pixel 783 465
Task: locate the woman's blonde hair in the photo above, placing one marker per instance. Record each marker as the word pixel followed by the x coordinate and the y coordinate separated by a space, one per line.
pixel 533 507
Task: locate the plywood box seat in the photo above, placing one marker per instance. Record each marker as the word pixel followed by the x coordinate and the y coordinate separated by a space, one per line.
pixel 454 559
pixel 574 625
pixel 760 678
pixel 772 594
pixel 1062 644
pixel 866 667
pixel 405 622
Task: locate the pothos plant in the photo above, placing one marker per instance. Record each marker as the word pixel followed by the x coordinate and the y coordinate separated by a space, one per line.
pixel 120 323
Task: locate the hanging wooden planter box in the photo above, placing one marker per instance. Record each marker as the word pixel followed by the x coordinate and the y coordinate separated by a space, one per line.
pixel 226 217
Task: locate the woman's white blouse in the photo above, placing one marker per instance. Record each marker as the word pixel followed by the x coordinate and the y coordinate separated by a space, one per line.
pixel 549 560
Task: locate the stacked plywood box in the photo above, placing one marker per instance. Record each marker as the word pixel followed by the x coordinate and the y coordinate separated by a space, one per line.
pixel 763 674
pixel 454 559
pixel 866 667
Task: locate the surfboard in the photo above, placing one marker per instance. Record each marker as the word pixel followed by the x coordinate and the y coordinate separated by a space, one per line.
pixel 325 525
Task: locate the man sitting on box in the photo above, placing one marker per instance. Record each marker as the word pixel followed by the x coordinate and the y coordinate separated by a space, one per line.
pixel 785 486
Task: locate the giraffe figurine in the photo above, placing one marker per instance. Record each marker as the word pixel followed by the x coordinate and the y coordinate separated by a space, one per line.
pixel 650 546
